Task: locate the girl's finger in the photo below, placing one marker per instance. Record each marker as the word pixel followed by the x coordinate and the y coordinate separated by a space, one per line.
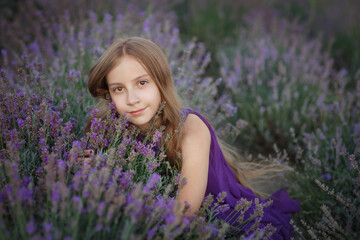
pixel 83 154
pixel 85 160
pixel 88 152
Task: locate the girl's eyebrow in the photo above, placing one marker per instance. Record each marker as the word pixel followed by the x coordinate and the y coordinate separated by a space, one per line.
pixel 135 79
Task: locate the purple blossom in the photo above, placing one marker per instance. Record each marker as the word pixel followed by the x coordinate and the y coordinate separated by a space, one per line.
pixel 126 177
pixel 20 122
pixel 55 195
pixel 262 109
pixel 324 127
pixel 86 193
pixel 31 227
pixel 98 227
pixel 3 52
pixel 222 208
pixel 77 203
pixel 220 197
pixel 229 109
pixel 357 129
pixel 151 233
pixel 47 227
pixel 76 199
pixel 101 208
pixel 160 204
pixel 241 123
pixel 157 136
pixel 326 176
pixel 152 165
pixel 24 194
pixel 170 218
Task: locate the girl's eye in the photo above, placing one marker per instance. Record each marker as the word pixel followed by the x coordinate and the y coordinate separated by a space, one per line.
pixel 118 89
pixel 142 83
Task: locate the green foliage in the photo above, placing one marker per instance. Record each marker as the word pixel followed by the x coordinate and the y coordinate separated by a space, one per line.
pixel 292 88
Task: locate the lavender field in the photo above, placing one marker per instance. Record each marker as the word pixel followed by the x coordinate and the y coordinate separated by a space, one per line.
pixel 279 82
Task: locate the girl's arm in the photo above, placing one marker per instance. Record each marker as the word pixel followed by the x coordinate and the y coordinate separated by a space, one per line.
pixel 195 148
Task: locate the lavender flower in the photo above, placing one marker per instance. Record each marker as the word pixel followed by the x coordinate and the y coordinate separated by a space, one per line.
pixel 31 227
pixel 154 179
pixel 326 176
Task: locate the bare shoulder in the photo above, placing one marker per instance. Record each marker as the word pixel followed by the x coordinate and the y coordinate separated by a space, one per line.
pixel 195 128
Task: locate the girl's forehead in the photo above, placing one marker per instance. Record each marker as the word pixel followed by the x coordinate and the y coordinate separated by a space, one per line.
pixel 127 59
pixel 126 69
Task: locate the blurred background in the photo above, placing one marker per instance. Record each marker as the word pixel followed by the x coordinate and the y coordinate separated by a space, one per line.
pixel 278 79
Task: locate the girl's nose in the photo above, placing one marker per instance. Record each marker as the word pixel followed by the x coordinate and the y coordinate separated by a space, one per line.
pixel 132 98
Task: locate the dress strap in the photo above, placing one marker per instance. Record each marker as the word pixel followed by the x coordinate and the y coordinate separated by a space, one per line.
pixel 185 112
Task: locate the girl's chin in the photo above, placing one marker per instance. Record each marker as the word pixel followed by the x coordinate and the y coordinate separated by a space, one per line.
pixel 141 126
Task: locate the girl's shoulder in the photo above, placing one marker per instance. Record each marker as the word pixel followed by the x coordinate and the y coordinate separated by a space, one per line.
pixel 195 126
pixel 193 119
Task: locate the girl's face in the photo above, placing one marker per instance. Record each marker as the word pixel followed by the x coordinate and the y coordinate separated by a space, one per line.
pixel 134 92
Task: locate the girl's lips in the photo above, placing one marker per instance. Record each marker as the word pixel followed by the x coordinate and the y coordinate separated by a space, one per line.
pixel 137 112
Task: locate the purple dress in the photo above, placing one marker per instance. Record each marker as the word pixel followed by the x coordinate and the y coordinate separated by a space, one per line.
pixel 222 178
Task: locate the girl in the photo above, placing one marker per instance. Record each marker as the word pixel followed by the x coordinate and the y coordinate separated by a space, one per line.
pixel 135 74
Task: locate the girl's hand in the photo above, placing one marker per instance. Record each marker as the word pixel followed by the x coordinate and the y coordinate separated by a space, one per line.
pixel 83 157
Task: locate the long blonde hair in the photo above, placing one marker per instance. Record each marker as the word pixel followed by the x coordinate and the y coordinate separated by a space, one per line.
pixel 151 57
pixel 253 174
